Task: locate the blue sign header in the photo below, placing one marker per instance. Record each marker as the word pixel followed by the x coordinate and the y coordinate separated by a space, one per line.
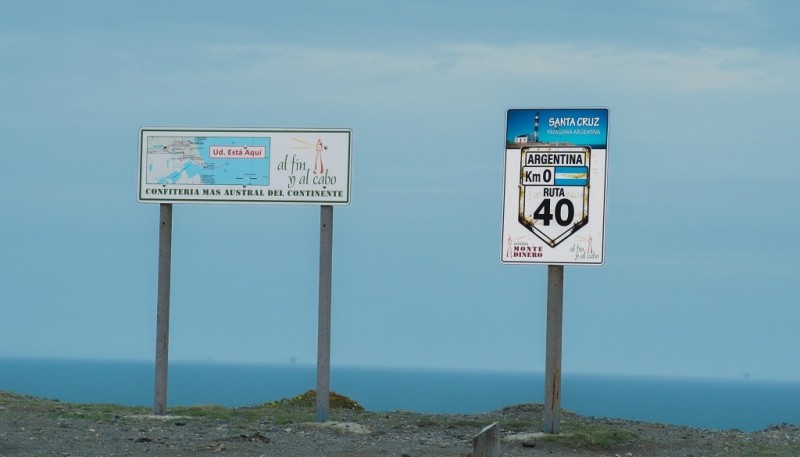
pixel 580 127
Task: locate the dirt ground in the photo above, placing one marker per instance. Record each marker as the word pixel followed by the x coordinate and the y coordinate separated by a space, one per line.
pixel 38 427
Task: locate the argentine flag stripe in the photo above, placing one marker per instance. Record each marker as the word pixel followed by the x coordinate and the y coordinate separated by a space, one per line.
pixel 571 176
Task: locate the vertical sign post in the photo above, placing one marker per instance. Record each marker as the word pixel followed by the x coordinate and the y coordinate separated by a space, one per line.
pixel 554 203
pixel 552 368
pixel 162 318
pixel 324 322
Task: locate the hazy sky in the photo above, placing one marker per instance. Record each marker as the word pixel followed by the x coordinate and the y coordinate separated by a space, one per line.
pixel 702 224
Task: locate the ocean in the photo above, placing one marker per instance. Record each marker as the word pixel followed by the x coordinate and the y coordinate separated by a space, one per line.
pixel 744 404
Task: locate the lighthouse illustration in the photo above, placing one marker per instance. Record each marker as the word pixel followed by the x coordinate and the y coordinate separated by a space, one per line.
pixel 319 147
pixel 318 159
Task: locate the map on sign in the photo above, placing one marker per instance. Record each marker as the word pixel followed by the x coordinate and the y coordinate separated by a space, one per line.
pixel 208 160
pixel 554 186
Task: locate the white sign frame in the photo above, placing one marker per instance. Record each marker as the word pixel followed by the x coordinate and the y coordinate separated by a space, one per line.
pixel 245 165
pixel 554 186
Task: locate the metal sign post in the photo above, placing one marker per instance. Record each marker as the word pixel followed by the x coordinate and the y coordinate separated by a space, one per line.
pixel 162 318
pixel 324 320
pixel 552 370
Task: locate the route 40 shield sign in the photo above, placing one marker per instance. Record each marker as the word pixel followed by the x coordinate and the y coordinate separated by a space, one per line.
pixel 554 186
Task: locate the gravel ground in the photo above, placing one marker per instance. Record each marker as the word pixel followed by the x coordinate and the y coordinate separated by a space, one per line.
pixel 38 427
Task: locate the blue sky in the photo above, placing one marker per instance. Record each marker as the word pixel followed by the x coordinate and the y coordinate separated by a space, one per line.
pixel 702 223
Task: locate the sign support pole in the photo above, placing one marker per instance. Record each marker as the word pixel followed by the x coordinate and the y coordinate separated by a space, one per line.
pixel 324 320
pixel 552 372
pixel 162 319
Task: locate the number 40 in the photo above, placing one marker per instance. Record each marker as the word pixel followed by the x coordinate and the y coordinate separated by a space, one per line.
pixel 544 214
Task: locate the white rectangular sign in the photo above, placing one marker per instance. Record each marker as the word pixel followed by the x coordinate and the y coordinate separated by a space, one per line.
pixel 554 186
pixel 245 166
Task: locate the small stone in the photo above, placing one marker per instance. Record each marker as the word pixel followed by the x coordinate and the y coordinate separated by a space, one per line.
pixel 258 436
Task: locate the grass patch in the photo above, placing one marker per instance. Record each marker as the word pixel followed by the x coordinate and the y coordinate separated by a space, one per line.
pixel 213 412
pixel 57 409
pixel 477 422
pixel 281 415
pixel 762 450
pixel 593 437
pixel 519 425
pixel 288 417
pixel 298 409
